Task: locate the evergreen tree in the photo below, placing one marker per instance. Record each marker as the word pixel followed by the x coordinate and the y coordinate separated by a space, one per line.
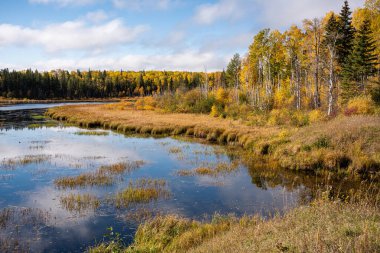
pixel 361 62
pixel 346 35
pixel 233 70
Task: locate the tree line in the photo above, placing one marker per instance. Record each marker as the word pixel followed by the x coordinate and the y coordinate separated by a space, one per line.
pixel 99 84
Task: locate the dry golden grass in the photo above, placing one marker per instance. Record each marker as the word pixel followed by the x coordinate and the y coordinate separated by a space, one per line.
pixel 324 226
pixel 219 169
pixel 103 176
pixel 79 202
pixel 12 163
pixel 151 122
pixel 84 180
pixel 353 142
pixel 141 191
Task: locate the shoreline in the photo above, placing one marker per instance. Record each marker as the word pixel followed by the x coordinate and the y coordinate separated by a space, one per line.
pixel 318 147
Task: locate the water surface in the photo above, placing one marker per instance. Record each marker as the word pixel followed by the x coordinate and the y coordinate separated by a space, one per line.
pixel 36 220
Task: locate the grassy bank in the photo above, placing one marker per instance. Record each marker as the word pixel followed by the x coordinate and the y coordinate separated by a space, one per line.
pixel 323 226
pixel 345 144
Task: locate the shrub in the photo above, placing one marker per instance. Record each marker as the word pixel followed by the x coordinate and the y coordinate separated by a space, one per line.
pixel 146 103
pixel 279 117
pixel 360 105
pixel 237 111
pixel 222 96
pixel 215 112
pixel 299 119
pixel 316 116
pixel 204 105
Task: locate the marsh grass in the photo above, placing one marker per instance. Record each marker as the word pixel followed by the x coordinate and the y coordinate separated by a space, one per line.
pixel 38 117
pixel 79 202
pixel 84 180
pixel 219 169
pixel 12 163
pixel 11 217
pixel 325 225
pixel 95 133
pixel 175 150
pixel 141 191
pixel 104 176
pixel 121 168
pixel 138 215
pixel 43 124
pixel 352 141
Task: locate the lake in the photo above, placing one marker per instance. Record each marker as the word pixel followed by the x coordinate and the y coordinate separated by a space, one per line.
pixel 35 152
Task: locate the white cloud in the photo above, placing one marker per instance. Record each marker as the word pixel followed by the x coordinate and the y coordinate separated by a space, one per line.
pixel 272 13
pixel 283 13
pixel 191 61
pixel 71 35
pixel 224 9
pixel 64 2
pixel 140 4
pixel 96 16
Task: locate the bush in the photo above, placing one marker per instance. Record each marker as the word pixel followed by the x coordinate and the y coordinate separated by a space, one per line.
pixel 146 103
pixel 360 105
pixel 375 94
pixel 214 111
pixel 299 119
pixel 237 111
pixel 204 105
pixel 316 116
pixel 279 117
pixel 222 96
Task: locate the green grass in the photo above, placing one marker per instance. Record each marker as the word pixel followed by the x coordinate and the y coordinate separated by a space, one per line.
pixel 43 124
pixel 38 117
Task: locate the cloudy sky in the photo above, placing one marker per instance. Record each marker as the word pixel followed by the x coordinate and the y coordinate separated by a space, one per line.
pixel 141 34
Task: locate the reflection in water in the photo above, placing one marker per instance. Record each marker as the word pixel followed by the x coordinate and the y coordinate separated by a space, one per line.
pixel 30 185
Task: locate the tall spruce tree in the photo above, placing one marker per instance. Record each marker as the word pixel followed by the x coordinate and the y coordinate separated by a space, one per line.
pixel 361 62
pixel 346 35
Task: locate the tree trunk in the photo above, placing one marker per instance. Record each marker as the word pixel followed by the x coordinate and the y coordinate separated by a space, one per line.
pixel 331 84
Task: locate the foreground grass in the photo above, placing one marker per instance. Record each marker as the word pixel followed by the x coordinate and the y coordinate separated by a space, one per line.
pixel 323 226
pixel 346 144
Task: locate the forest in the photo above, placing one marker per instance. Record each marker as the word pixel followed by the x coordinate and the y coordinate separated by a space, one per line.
pixel 320 65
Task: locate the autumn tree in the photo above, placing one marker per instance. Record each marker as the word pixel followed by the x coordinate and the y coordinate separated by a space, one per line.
pixel 330 40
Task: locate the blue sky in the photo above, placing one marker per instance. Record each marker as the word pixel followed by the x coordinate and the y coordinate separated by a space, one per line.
pixel 141 34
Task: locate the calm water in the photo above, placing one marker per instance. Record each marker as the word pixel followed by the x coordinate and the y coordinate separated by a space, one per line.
pixel 36 221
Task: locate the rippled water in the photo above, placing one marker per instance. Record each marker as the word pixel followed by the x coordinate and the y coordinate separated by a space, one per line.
pixel 34 219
